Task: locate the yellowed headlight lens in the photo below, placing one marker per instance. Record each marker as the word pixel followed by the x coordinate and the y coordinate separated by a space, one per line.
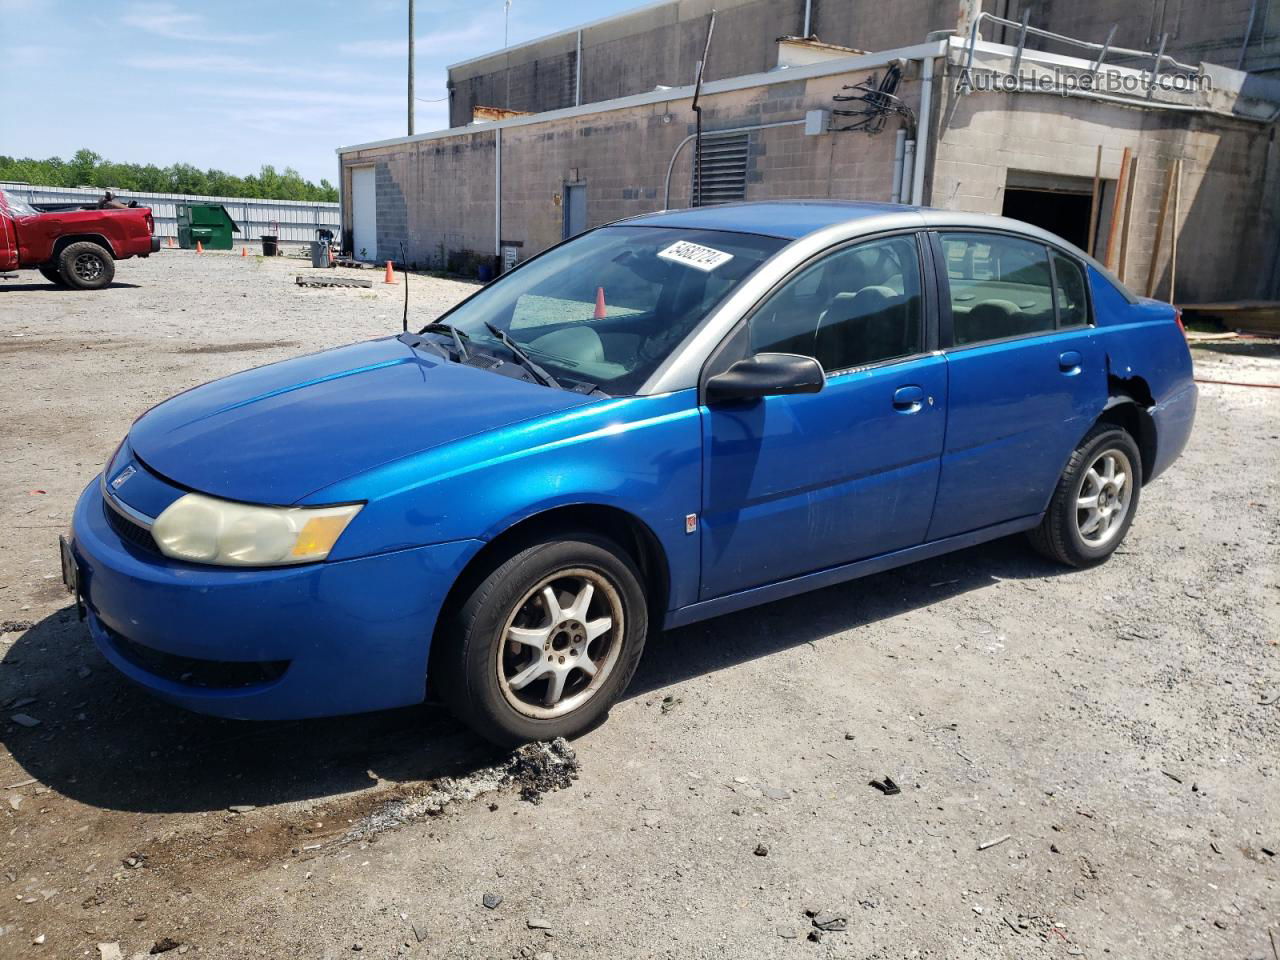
pixel 208 530
pixel 319 534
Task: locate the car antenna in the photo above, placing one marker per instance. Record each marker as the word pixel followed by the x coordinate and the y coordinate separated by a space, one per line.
pixel 404 266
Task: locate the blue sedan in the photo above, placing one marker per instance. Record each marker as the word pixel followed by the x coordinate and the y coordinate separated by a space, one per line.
pixel 658 421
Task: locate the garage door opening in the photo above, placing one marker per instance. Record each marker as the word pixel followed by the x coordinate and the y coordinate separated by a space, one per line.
pixel 1060 205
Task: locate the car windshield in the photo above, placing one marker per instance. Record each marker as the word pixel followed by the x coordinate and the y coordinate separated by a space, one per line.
pixel 16 206
pixel 608 307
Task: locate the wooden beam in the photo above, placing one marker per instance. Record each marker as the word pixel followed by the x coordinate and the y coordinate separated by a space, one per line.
pixel 1159 238
pixel 1117 201
pixel 1095 202
pixel 1128 216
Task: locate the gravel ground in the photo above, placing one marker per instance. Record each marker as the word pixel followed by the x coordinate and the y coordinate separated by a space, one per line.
pixel 1107 727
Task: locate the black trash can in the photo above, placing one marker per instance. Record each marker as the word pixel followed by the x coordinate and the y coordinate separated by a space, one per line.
pixel 270 245
pixel 319 253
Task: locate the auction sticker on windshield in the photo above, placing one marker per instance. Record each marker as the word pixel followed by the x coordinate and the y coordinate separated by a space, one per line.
pixel 695 255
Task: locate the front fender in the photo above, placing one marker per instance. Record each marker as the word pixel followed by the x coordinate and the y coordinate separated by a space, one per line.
pixel 641 455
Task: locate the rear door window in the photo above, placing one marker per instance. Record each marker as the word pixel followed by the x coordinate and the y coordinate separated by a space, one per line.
pixel 1000 287
pixel 1070 292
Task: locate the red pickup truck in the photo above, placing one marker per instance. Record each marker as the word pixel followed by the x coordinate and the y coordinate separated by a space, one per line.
pixel 75 247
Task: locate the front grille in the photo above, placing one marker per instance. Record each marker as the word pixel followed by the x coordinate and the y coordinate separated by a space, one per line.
pixel 194 672
pixel 129 531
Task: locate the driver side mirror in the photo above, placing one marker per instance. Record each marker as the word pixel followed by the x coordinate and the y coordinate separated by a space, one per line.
pixel 766 375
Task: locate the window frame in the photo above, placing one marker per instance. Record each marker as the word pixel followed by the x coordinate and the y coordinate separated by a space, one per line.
pixel 1088 290
pixel 736 343
pixel 946 319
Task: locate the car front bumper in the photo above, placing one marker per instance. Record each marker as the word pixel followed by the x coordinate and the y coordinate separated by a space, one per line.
pixel 278 643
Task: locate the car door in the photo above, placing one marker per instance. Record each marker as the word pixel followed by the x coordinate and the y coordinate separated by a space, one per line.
pixel 794 484
pixel 1026 375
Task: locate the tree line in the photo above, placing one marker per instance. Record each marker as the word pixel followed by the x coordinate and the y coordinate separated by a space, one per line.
pixel 89 169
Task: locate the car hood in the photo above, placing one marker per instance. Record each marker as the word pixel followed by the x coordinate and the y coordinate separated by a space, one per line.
pixel 277 433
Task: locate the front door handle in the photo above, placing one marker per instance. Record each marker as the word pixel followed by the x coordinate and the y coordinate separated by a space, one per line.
pixel 1069 361
pixel 908 399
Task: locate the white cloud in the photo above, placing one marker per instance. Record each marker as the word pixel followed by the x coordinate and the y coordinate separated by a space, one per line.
pixel 166 20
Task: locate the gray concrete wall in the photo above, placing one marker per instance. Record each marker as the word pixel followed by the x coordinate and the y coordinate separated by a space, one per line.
pixel 1230 210
pixel 1208 32
pixel 437 195
pixel 634 53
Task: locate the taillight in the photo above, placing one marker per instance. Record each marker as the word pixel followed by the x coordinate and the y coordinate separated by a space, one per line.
pixel 1177 318
pixel 151 225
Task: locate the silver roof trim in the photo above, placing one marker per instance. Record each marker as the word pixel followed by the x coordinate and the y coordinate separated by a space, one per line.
pixel 683 367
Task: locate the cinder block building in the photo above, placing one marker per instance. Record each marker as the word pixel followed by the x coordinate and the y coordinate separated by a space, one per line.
pixel 1100 120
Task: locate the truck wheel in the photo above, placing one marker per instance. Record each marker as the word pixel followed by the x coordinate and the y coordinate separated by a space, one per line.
pixel 1095 500
pixel 86 265
pixel 543 645
pixel 51 273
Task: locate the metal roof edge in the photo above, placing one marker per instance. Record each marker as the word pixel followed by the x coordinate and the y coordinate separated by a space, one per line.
pixel 824 68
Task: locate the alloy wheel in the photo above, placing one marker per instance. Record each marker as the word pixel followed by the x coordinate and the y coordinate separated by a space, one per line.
pixel 88 267
pixel 1106 493
pixel 560 643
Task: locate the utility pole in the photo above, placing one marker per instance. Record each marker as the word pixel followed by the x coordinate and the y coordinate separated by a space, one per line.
pixel 411 68
pixel 506 17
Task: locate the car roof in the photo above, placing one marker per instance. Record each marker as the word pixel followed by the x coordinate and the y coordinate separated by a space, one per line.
pixel 787 219
pixel 793 219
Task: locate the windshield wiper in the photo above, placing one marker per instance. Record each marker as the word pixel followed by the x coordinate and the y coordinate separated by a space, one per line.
pixel 454 332
pixel 546 379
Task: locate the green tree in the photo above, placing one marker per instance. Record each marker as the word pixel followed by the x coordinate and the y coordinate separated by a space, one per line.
pixel 89 169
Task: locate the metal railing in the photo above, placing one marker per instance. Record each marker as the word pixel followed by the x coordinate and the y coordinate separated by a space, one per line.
pixel 1159 59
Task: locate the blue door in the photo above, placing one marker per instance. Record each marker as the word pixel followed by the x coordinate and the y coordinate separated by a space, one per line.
pixel 795 484
pixel 1027 377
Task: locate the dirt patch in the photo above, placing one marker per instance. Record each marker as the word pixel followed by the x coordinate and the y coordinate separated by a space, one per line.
pixel 246 346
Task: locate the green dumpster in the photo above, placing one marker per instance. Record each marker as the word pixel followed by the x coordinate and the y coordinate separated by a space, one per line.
pixel 208 223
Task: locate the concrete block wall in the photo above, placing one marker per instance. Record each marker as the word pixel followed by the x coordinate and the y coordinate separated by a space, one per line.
pixel 1209 32
pixel 437 195
pixel 1229 219
pixel 634 53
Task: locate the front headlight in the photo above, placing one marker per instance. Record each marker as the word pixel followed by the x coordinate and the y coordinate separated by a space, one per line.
pixel 207 530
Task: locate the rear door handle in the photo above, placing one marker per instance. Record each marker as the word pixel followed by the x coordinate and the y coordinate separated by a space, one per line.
pixel 908 399
pixel 1069 361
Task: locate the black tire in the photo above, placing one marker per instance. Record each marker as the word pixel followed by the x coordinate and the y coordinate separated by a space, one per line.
pixel 1059 536
pixel 471 645
pixel 51 273
pixel 86 265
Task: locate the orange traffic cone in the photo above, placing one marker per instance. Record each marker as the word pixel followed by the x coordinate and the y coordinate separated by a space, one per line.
pixel 391 277
pixel 199 247
pixel 244 251
pixel 171 241
pixel 599 314
pixel 331 257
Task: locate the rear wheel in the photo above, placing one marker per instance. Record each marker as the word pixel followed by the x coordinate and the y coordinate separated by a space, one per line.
pixel 1095 500
pixel 51 273
pixel 86 265
pixel 545 643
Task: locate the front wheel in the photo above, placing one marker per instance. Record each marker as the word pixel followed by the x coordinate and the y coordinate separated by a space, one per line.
pixel 1095 500
pixel 86 265
pixel 545 643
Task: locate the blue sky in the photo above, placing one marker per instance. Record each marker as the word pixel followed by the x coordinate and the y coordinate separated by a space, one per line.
pixel 234 84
